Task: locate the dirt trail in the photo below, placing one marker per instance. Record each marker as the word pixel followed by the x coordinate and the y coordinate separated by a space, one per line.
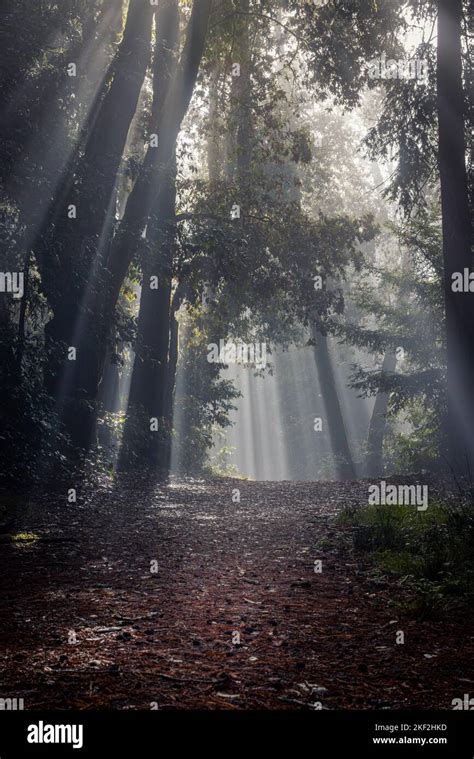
pixel 86 622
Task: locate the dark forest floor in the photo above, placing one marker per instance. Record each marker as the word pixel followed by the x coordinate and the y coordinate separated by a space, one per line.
pixel 306 638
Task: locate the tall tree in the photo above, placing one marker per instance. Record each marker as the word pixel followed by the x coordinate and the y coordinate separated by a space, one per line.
pixel 151 375
pixel 343 462
pixel 71 254
pixel 457 251
pixel 155 364
pixel 378 421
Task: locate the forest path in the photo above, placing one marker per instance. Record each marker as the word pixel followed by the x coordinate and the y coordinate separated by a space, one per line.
pixel 307 639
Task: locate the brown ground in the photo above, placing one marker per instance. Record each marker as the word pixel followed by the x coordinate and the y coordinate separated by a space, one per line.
pixel 306 639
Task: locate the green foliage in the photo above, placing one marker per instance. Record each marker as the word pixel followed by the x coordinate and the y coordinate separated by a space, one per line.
pixel 203 400
pixel 219 465
pixel 31 442
pixel 341 37
pixel 399 308
pixel 431 552
pixel 418 450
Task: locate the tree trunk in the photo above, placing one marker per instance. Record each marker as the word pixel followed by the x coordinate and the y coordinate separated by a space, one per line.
pixel 378 422
pixel 143 197
pixel 457 251
pixel 104 150
pixel 142 447
pixel 243 96
pixel 238 147
pixel 334 419
pixel 151 372
pixel 169 393
pixel 75 284
pixel 91 188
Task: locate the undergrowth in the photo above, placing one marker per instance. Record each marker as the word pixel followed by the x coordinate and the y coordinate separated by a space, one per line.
pixel 431 553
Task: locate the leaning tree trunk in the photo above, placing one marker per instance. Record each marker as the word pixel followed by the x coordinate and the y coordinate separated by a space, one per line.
pixel 74 283
pixel 457 252
pixel 147 431
pixel 141 445
pixel 378 422
pixel 144 195
pixel 334 418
